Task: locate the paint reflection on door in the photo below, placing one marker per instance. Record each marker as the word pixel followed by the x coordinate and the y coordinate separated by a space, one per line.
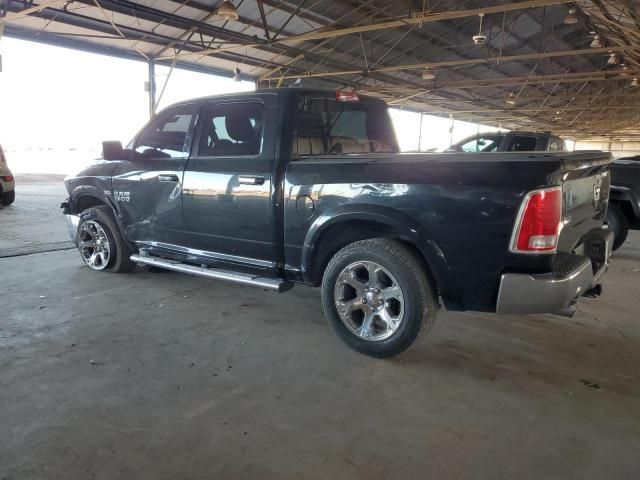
pixel 148 186
pixel 227 185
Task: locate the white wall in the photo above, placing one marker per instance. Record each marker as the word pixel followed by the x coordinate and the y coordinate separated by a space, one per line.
pixel 618 149
pixel 57 105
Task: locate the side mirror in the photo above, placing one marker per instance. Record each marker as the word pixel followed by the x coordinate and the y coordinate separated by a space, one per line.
pixel 112 150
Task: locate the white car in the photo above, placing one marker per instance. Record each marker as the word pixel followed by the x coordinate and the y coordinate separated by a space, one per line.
pixel 7 182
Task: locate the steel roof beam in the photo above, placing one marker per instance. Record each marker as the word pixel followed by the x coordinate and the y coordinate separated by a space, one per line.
pixel 71 18
pixel 417 19
pixel 128 8
pixel 471 61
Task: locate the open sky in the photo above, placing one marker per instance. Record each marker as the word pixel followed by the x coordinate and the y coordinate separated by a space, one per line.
pixel 56 98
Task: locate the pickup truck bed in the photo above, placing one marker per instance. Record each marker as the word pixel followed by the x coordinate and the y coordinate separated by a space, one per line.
pixel 306 186
pixel 464 206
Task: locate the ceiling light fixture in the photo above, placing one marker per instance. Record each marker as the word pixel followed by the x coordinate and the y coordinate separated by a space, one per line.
pixel 634 83
pixel 510 99
pixel 227 11
pixel 625 71
pixel 596 42
pixel 571 18
pixel 613 59
pixel 428 75
pixel 481 38
pixel 236 74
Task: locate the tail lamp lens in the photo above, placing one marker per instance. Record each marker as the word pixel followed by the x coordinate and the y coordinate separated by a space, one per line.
pixel 8 178
pixel 538 225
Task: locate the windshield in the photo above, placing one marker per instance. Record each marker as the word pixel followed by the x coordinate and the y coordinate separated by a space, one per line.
pixel 327 126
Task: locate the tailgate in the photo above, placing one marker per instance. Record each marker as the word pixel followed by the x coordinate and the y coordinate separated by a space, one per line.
pixel 586 193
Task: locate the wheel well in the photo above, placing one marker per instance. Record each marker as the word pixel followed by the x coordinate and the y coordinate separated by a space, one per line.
pixel 343 233
pixel 627 209
pixel 87 201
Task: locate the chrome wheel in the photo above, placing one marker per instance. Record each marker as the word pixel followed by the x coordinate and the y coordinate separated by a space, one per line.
pixel 369 301
pixel 93 244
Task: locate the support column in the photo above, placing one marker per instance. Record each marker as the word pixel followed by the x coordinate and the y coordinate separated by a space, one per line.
pixel 152 88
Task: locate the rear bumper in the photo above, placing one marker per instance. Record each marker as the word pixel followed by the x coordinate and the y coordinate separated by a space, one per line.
pixel 559 290
pixel 6 187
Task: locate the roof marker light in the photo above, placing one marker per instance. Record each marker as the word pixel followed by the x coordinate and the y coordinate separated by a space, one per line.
pixel 342 96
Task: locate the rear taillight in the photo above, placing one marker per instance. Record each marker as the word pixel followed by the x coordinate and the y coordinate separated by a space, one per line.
pixel 7 178
pixel 539 222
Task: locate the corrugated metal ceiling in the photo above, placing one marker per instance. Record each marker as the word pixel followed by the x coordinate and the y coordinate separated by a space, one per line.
pixel 549 68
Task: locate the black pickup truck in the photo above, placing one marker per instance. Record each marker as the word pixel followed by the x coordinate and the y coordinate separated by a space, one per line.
pixel 289 186
pixel 513 141
pixel 624 204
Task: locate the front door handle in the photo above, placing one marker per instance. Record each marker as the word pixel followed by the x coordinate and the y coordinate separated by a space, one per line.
pixel 250 180
pixel 167 178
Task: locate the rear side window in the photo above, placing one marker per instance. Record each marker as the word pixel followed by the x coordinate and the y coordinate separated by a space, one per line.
pixel 327 126
pixel 169 133
pixel 233 129
pixel 522 143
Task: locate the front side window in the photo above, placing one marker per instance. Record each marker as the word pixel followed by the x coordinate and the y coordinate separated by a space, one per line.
pixel 233 129
pixel 328 126
pixel 482 144
pixel 521 143
pixel 169 133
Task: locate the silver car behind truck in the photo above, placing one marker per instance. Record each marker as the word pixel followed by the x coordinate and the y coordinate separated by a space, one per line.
pixel 7 181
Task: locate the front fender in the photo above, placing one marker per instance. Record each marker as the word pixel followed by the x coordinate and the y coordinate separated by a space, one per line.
pixel 71 207
pixel 89 191
pixel 403 225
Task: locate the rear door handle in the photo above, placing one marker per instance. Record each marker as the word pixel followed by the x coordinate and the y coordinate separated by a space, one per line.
pixel 250 180
pixel 167 178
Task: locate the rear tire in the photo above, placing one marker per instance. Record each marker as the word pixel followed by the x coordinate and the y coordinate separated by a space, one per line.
pixel 101 245
pixel 8 198
pixel 618 223
pixel 384 316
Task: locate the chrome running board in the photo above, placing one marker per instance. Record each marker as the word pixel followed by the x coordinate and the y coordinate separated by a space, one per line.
pixel 217 274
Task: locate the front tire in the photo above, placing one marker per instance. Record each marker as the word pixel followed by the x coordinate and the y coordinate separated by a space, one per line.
pixel 377 297
pixel 101 245
pixel 619 224
pixel 8 198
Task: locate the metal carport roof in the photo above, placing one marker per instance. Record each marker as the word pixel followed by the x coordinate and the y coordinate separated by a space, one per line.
pixel 535 70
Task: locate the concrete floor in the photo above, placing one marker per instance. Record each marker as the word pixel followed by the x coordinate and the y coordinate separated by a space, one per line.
pixel 165 376
pixel 32 224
